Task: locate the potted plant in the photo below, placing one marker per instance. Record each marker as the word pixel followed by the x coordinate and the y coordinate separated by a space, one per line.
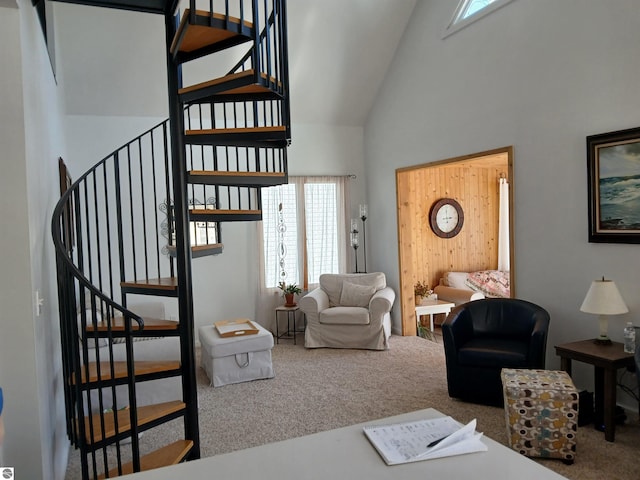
pixel 288 291
pixel 420 291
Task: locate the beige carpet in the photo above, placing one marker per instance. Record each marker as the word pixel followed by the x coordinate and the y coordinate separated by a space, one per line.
pixel 322 389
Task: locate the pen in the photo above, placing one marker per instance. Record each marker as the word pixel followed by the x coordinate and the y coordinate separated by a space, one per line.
pixel 435 442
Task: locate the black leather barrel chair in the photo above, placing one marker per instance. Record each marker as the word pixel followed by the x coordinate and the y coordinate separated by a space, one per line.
pixel 483 337
pixel 637 357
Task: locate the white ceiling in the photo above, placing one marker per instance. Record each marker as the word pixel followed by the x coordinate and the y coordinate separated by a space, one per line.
pixel 113 63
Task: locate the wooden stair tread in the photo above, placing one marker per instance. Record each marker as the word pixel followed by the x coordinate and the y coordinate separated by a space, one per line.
pixel 229 78
pixel 117 325
pixel 271 137
pixel 120 369
pixel 212 173
pixel 190 37
pixel 214 215
pixel 239 179
pixel 237 131
pixel 246 86
pixel 200 250
pixel 163 457
pixel 216 81
pixel 211 211
pixel 165 283
pixel 146 414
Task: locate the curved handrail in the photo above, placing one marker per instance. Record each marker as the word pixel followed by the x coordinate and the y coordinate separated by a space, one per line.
pixel 60 250
pixel 66 202
pixel 57 222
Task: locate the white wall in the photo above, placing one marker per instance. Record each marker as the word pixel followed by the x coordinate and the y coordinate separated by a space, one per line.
pixel 29 355
pixel 113 61
pixel 540 76
pixel 318 149
pixel 91 138
pixel 44 145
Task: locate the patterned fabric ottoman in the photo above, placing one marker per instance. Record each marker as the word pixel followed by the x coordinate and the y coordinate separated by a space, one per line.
pixel 541 411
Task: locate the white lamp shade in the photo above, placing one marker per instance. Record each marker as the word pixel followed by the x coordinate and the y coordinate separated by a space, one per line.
pixel 603 298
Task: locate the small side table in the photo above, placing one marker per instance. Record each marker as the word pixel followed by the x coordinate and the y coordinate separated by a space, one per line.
pixel 606 360
pixel 291 331
pixel 431 307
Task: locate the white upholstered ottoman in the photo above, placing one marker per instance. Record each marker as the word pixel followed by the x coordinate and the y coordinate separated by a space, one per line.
pixel 235 359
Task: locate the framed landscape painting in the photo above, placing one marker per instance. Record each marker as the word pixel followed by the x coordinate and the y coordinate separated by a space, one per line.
pixel 614 186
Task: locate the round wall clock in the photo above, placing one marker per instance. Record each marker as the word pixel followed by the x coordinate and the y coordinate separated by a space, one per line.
pixel 446 218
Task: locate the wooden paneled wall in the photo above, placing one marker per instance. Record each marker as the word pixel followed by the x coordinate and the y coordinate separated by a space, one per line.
pixel 423 255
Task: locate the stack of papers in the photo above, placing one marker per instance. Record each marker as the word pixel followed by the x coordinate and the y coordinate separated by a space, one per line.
pixel 424 440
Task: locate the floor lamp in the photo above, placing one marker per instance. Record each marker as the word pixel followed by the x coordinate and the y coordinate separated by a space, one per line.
pixel 363 217
pixel 355 242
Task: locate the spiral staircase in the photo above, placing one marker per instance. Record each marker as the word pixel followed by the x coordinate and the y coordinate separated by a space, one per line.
pixel 133 223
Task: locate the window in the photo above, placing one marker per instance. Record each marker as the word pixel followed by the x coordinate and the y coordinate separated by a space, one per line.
pixel 280 235
pixel 472 7
pixel 321 222
pixel 469 11
pixel 304 230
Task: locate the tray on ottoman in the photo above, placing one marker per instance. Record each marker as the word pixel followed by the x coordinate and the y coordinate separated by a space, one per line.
pixel 232 328
pixel 238 358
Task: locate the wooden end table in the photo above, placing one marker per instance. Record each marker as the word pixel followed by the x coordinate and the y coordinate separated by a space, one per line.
pixel 606 360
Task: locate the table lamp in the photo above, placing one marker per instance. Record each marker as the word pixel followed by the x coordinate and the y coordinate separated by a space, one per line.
pixel 603 299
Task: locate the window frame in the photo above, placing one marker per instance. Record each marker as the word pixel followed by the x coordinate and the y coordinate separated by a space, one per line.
pixel 342 205
pixel 456 23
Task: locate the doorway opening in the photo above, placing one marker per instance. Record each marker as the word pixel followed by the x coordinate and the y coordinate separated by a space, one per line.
pixel 473 181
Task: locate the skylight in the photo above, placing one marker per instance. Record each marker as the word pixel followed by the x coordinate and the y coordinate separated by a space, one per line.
pixel 471 7
pixel 469 11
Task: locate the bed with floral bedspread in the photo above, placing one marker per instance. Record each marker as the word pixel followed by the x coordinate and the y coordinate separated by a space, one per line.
pixel 493 283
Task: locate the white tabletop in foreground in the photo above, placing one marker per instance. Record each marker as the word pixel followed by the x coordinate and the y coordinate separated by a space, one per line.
pixel 346 453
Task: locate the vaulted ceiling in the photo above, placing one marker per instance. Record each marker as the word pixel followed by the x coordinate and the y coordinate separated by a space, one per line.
pixel 113 62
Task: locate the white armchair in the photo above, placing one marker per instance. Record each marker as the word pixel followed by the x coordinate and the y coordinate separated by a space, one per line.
pixel 349 310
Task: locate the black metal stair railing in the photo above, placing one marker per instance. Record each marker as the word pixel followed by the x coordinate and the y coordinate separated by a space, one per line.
pixel 106 227
pixel 116 225
pixel 233 111
pixel 125 214
pixel 117 216
pixel 266 57
pixel 229 193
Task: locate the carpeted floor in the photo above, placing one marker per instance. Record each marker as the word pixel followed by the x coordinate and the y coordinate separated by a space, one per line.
pixel 322 389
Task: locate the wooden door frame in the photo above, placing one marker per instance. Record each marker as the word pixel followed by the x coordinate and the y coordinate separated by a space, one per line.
pixel 406 273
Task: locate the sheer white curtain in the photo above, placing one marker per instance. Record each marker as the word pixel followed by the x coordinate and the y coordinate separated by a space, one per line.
pixel 326 225
pixel 503 227
pixel 306 219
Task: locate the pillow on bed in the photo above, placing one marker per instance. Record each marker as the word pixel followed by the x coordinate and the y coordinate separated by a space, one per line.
pixel 493 283
pixel 456 280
